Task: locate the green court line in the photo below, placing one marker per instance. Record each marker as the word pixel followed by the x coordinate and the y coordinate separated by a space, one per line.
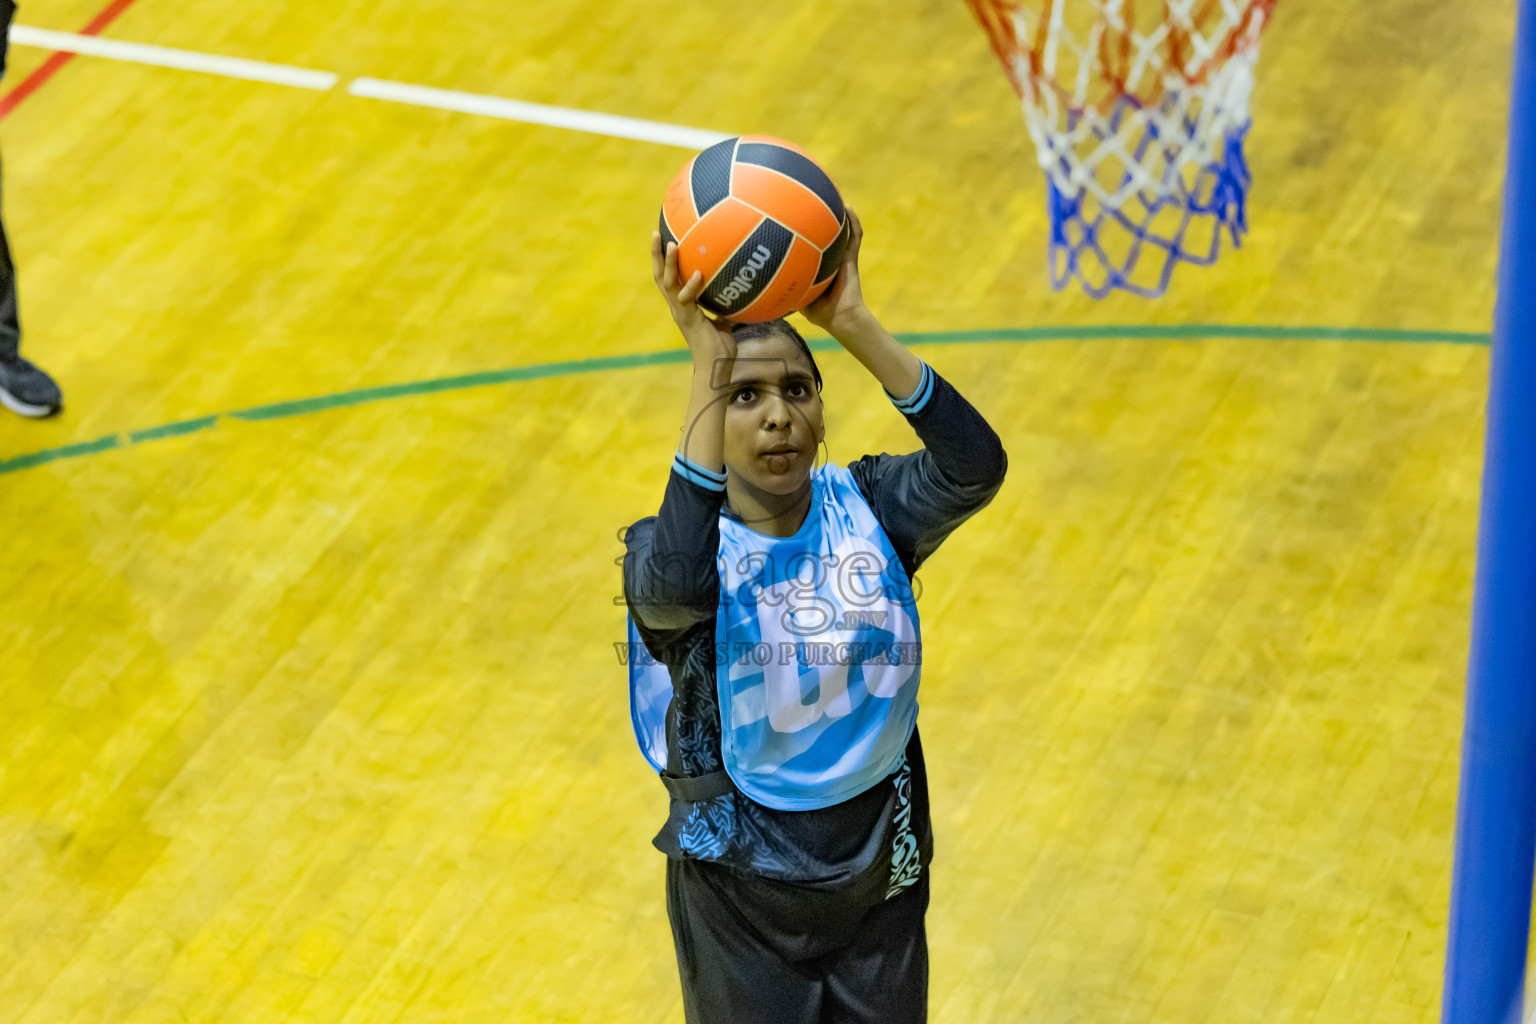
pixel 597 364
pixel 300 406
pixel 1194 332
pixel 68 451
pixel 171 429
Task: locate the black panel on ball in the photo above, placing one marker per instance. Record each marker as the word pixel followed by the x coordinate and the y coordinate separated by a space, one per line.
pixel 832 255
pixel 744 276
pixel 666 232
pixel 788 162
pixel 710 180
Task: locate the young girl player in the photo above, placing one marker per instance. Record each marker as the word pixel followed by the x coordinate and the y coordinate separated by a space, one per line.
pixel 778 597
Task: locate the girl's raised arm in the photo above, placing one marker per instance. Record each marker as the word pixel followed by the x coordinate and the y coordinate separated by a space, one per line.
pixel 670 581
pixel 713 350
pixel 919 498
pixel 841 312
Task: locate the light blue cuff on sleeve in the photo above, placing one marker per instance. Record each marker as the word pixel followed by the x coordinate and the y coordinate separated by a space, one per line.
pixel 695 473
pixel 917 399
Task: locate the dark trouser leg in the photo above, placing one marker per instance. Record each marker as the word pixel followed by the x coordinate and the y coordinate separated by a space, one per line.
pixel 881 977
pixel 730 974
pixel 742 957
pixel 10 322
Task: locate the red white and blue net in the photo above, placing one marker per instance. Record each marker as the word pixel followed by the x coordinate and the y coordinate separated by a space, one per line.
pixel 1138 110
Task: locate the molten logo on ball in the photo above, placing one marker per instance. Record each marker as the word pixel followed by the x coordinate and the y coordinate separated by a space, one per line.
pixel 738 286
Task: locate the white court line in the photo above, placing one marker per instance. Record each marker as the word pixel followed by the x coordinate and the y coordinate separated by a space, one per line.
pixel 372 88
pixel 186 60
pixel 537 113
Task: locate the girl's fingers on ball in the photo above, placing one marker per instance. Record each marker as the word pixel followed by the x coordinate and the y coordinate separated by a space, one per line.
pixel 692 288
pixel 671 264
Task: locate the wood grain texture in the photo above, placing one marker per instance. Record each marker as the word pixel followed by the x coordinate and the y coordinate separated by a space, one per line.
pixel 319 718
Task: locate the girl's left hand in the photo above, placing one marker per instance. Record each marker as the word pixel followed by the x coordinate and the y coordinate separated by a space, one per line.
pixel 843 301
pixel 708 340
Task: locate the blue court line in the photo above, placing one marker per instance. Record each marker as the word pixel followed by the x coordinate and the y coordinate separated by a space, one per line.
pixel 596 364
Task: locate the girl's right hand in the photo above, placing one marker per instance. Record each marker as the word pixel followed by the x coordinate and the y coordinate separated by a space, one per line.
pixel 708 340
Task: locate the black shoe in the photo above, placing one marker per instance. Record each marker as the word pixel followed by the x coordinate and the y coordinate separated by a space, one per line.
pixel 26 390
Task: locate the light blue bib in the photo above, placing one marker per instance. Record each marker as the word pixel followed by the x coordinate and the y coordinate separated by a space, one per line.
pixel 817 656
pixel 650 691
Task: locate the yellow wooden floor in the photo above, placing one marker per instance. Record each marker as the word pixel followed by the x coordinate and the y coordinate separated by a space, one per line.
pixel 318 717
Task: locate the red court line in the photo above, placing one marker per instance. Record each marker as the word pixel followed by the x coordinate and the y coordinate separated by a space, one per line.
pixel 49 67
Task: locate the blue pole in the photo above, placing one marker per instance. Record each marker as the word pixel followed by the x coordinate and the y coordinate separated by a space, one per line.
pixel 1490 916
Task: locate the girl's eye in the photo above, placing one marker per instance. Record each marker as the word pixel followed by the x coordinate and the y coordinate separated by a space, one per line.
pixel 744 395
pixel 798 390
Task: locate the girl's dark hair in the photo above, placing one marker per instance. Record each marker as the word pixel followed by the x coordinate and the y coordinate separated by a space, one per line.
pixel 767 329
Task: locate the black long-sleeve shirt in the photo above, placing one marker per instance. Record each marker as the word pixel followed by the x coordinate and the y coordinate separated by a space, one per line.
pixel 672 586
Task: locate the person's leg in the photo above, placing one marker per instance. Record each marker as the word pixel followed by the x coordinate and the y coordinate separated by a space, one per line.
pixel 24 389
pixel 10 321
pixel 729 971
pixel 881 977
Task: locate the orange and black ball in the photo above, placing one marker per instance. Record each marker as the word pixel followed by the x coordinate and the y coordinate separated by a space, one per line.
pixel 761 221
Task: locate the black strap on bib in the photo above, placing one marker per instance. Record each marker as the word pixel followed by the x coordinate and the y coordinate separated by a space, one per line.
pixel 699 787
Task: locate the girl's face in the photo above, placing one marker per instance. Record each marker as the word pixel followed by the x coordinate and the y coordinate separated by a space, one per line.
pixel 772 416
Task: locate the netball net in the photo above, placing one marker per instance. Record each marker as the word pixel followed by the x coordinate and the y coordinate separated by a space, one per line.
pixel 1138 110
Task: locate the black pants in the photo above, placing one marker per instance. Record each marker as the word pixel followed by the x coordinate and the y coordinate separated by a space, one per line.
pixel 755 951
pixel 10 324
